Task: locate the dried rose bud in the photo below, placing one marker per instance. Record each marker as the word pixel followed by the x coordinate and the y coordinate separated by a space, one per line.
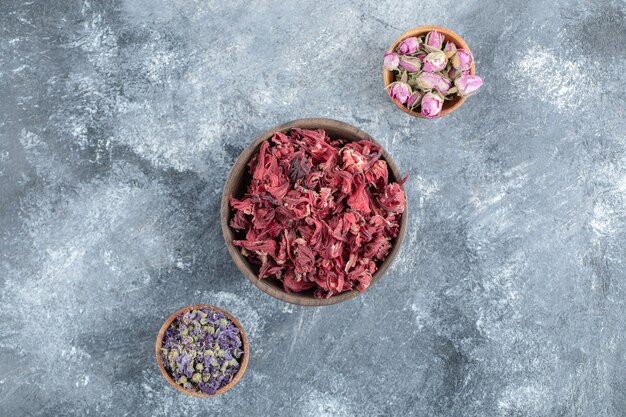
pixel 434 39
pixel 462 60
pixel 454 73
pixel 435 61
pixel 430 81
pixel 431 105
pixel 414 100
pixel 468 84
pixel 399 91
pixel 392 60
pixel 409 63
pixel 449 49
pixel 408 46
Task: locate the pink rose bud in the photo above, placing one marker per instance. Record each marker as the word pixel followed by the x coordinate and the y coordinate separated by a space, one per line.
pixel 431 105
pixel 392 60
pixel 449 49
pixel 468 84
pixel 413 100
pixel 435 61
pixel 410 63
pixel 408 46
pixel 432 81
pixel 434 39
pixel 462 60
pixel 399 91
pixel 454 73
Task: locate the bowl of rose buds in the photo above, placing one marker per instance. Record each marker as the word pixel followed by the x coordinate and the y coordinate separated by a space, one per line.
pixel 429 71
pixel 314 212
pixel 202 350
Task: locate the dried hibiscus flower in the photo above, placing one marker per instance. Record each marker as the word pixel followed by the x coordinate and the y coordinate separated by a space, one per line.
pixel 318 213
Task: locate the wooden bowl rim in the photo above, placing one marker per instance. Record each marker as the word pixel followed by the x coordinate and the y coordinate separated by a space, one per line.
pixel 244 341
pixel 225 212
pixel 419 31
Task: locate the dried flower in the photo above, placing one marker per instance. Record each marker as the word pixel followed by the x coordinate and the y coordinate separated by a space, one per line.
pixel 414 100
pixel 408 46
pixel 449 49
pixel 429 81
pixel 435 61
pixel 454 73
pixel 392 60
pixel 434 39
pixel 431 105
pixel 202 350
pixel 468 84
pixel 409 63
pixel 462 60
pixel 399 91
pixel 324 226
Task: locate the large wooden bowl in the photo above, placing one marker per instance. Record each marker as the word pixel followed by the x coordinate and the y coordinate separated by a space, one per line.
pixel 238 182
pixel 168 377
pixel 388 76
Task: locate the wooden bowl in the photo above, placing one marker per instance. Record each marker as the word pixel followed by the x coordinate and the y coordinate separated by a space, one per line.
pixel 237 184
pixel 388 76
pixel 244 340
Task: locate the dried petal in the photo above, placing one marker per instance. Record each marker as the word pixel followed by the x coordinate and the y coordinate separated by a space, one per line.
pixel 318 215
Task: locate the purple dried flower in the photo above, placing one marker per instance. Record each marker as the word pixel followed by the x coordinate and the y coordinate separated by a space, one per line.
pixel 202 350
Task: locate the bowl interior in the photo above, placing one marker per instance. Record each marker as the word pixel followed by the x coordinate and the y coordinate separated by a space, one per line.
pixel 244 340
pixel 449 105
pixel 240 179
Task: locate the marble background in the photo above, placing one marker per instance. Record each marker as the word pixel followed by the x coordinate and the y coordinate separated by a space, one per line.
pixel 120 119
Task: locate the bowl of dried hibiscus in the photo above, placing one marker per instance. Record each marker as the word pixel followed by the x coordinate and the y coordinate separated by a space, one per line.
pixel 314 212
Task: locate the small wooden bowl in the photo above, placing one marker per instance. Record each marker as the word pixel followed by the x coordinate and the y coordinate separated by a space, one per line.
pixel 388 76
pixel 237 184
pixel 244 341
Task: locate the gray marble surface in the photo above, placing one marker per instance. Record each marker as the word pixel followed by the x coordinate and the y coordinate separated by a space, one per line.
pixel 119 121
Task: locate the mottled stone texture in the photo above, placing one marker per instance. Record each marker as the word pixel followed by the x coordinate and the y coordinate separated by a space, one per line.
pixel 119 121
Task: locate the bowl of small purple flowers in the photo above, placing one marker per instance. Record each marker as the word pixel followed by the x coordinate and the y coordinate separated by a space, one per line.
pixel 202 350
pixel 429 71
